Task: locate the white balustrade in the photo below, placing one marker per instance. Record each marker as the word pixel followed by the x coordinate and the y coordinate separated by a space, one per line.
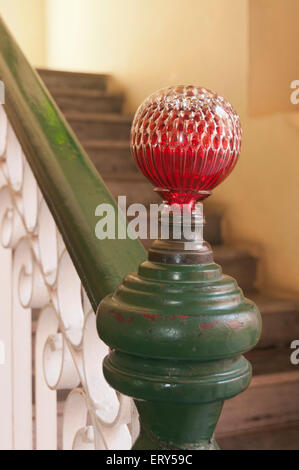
pixel 53 392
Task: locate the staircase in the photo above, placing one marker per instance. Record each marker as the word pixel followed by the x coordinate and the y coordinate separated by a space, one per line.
pixel 266 416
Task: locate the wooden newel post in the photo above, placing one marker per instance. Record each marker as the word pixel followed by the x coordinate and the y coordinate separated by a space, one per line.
pixel 178 327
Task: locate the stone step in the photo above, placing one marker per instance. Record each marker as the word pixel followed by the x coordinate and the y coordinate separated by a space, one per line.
pixel 279 437
pixel 272 397
pixel 213 227
pixel 240 264
pixel 280 320
pixel 111 157
pixel 134 186
pixel 96 126
pixel 85 100
pixel 62 79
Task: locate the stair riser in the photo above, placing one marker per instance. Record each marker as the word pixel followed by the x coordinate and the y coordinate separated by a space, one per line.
pixel 212 229
pixel 135 190
pixel 280 437
pixel 244 270
pixel 96 130
pixel 279 329
pixel 110 160
pixel 92 105
pixel 73 80
pixel 260 406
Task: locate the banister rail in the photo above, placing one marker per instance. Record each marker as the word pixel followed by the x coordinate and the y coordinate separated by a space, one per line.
pixel 68 180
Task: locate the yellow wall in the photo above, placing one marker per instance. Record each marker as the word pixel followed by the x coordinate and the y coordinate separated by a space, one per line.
pixel 273 50
pixel 26 21
pixel 147 44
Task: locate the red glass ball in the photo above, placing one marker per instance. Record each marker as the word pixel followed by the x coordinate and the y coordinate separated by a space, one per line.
pixel 185 140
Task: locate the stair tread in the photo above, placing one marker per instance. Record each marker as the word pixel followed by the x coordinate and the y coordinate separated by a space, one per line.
pixel 271 361
pixel 63 79
pixel 127 177
pixel 69 73
pixel 279 437
pixel 85 93
pixel 228 253
pixel 99 117
pixel 104 144
pixel 270 304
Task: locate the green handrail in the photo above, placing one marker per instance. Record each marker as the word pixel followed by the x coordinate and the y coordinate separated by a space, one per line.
pixel 67 178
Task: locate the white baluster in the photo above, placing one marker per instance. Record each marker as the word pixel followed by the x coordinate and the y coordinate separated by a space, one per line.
pixel 74 417
pixel 3 131
pixel 22 359
pixel 70 300
pixel 104 398
pixel 45 398
pixel 14 160
pixel 30 199
pixel 59 369
pixel 37 273
pixel 48 244
pixel 6 423
pixel 84 439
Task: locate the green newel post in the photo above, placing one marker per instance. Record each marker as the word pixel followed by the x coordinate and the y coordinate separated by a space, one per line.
pixel 178 327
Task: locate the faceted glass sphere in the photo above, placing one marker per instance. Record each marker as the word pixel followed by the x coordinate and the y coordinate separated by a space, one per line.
pixel 185 140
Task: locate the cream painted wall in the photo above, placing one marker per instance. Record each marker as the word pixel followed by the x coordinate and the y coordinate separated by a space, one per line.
pixel 26 20
pixel 147 44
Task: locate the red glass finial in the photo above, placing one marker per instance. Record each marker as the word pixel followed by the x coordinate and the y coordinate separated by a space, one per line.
pixel 185 140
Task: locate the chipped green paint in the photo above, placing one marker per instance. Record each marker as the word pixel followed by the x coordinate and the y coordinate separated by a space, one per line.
pixel 178 349
pixel 68 180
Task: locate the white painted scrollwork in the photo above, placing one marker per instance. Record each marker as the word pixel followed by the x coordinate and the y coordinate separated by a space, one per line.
pixel 55 395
